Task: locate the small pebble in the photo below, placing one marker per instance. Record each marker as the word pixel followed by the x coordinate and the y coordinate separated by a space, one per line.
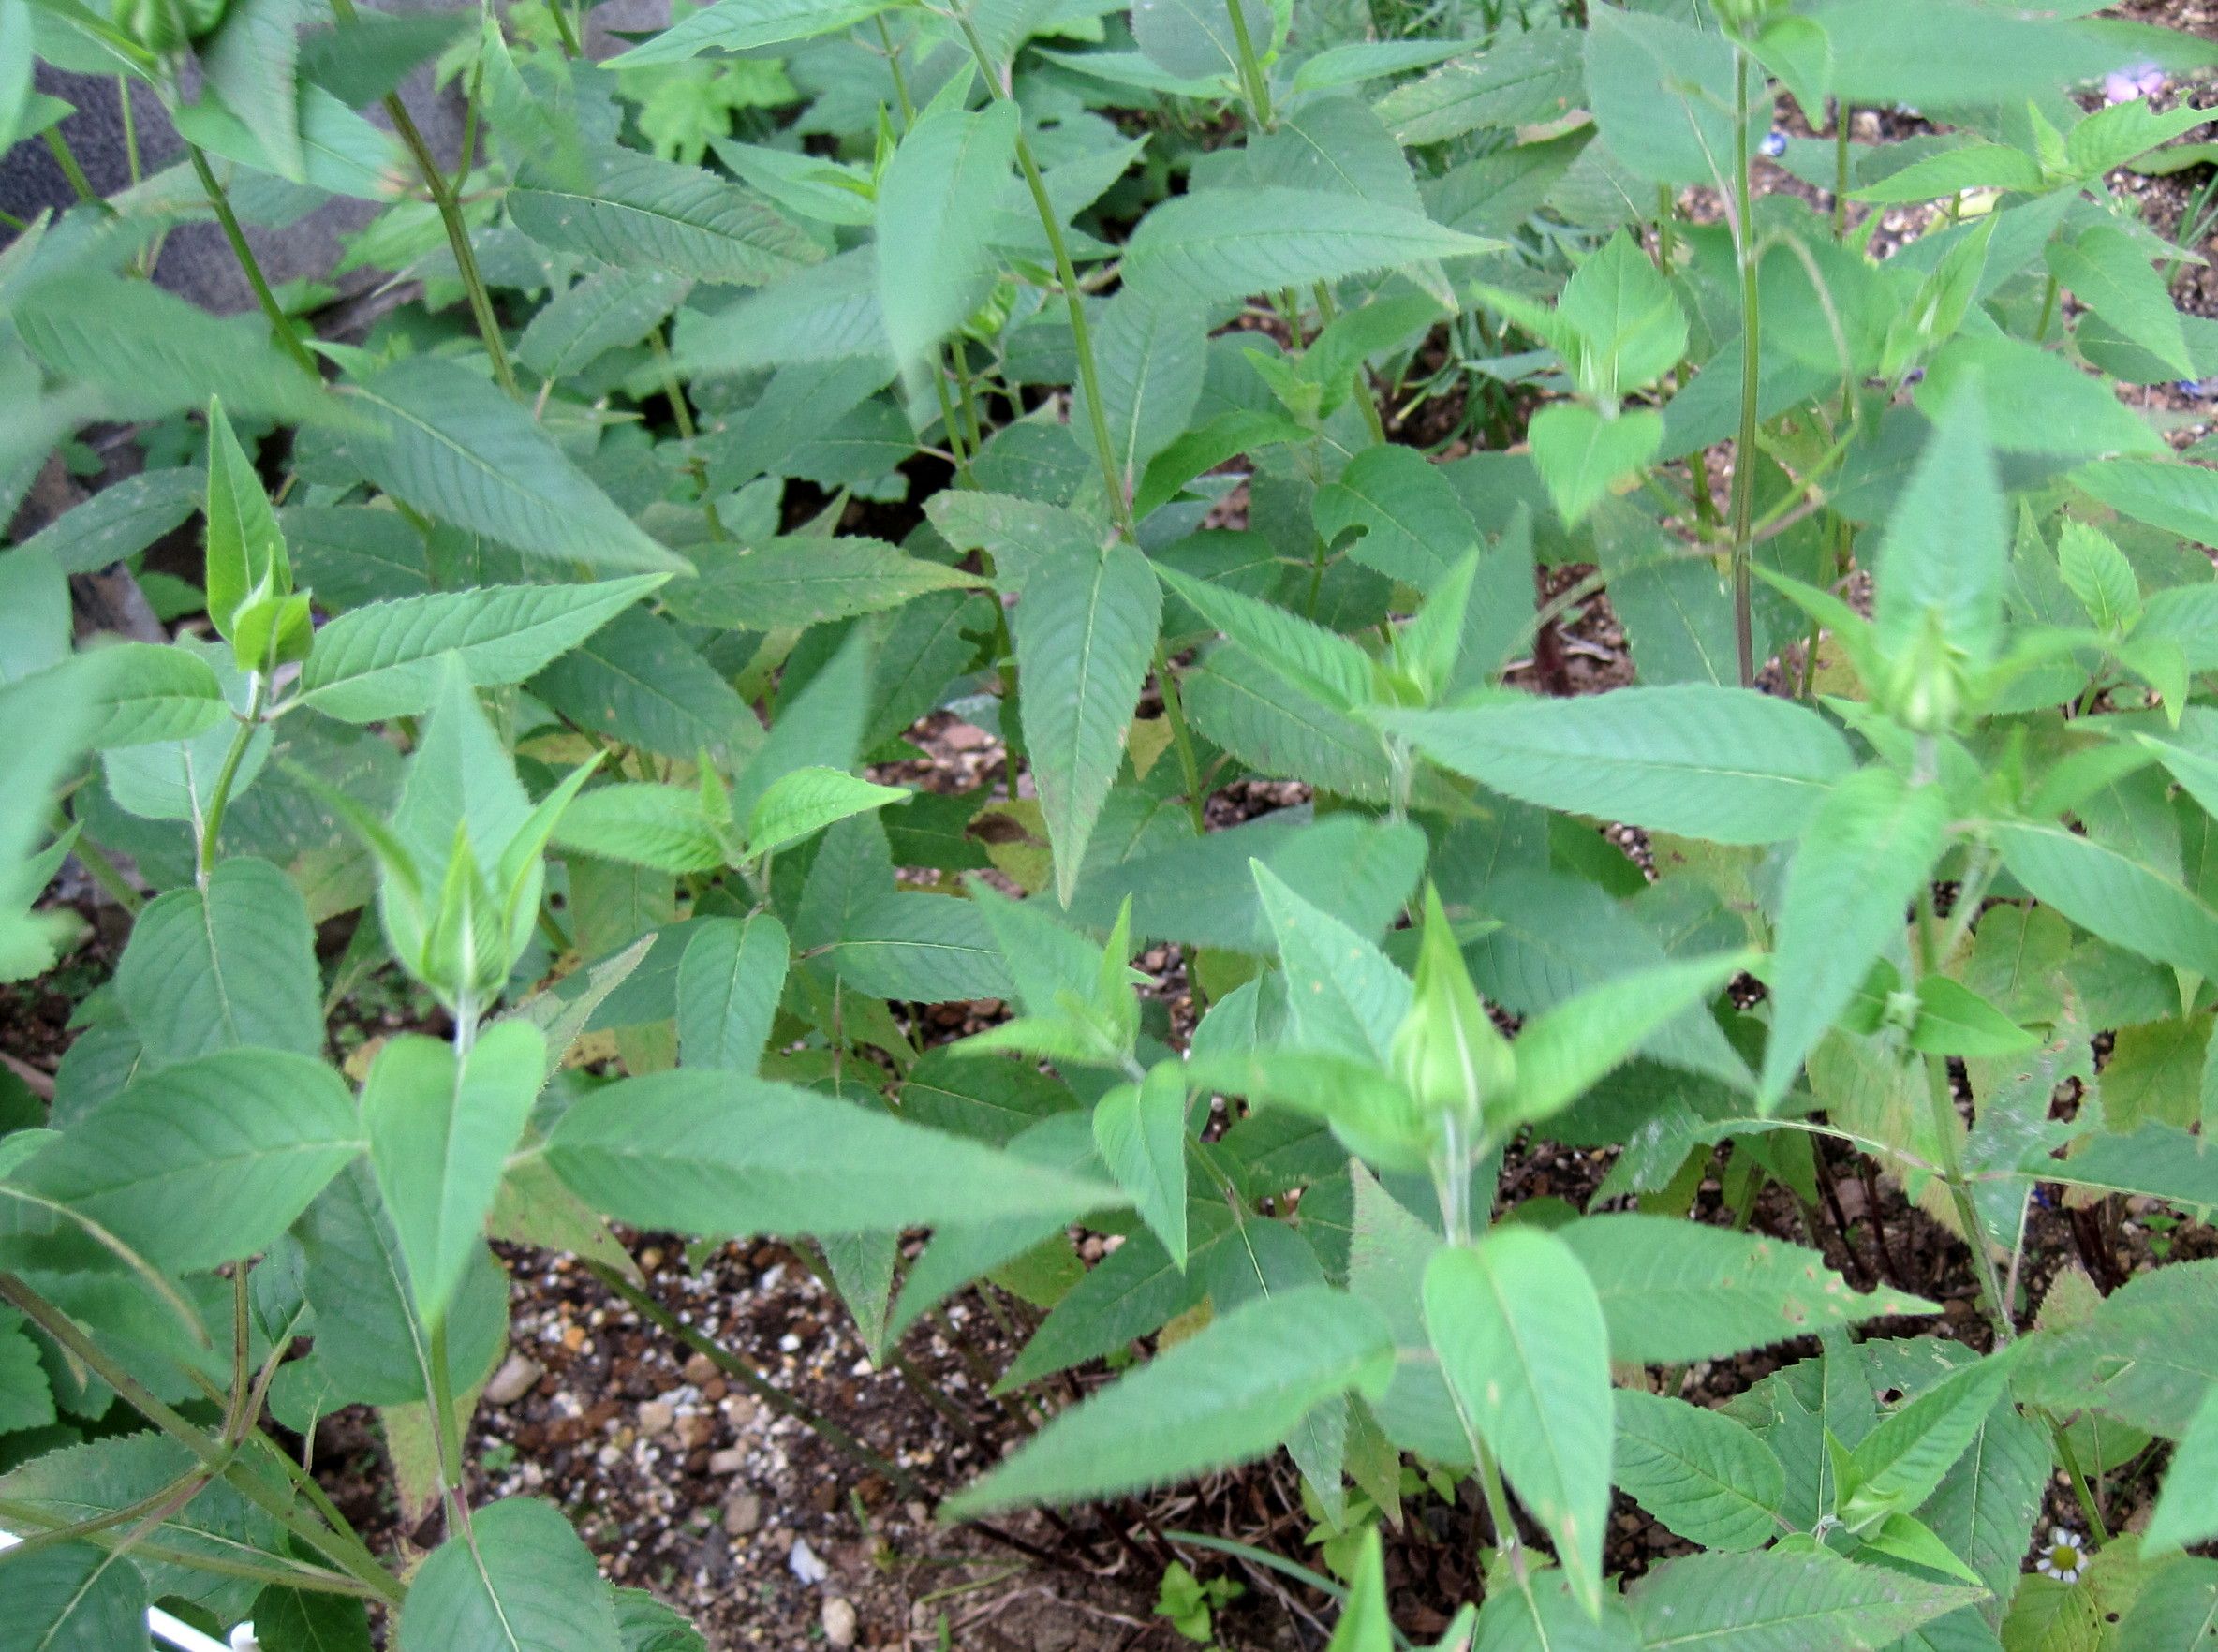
pixel 730 1460
pixel 802 1563
pixel 656 1417
pixel 699 1369
pixel 743 1513
pixel 517 1376
pixel 839 1622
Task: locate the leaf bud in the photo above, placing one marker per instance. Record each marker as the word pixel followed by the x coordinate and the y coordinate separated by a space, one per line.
pixel 1447 1051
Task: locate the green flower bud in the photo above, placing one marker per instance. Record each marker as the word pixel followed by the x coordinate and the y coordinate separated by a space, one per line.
pixel 1447 1053
pixel 1748 17
pixel 165 25
pixel 1926 688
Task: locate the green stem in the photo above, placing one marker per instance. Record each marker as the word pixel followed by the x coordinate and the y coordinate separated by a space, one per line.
pixel 2048 296
pixel 94 859
pixel 1744 452
pixel 2081 1489
pixel 672 391
pixel 65 157
pixel 279 322
pixel 446 1437
pixel 131 124
pixel 343 1549
pixel 569 38
pixel 1120 502
pixel 1182 739
pixel 297 1577
pixel 893 63
pixel 1256 88
pixel 449 209
pixel 969 397
pixel 227 776
pixel 1840 175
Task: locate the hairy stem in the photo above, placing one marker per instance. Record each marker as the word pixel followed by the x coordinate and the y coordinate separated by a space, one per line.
pixel 1253 83
pixel 227 776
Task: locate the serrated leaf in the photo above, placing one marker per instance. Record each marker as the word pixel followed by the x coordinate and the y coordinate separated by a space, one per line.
pixel 72 1597
pixel 1222 245
pixel 728 980
pixel 1521 80
pixel 1566 1051
pixel 1702 1474
pixel 1898 1465
pixel 643 824
pixel 806 581
pixel 1863 857
pixel 1788 1598
pixel 385 660
pixel 441 1131
pixel 935 203
pixel 1727 765
pixel 2109 271
pixel 1523 1344
pixel 1975 166
pixel 449 444
pixel 205 1162
pixel 1320 661
pixel 1086 632
pixel 722 1153
pixel 639 681
pixel 1662 93
pixel 639 213
pixel 1582 456
pixel 1225 1396
pixel 1415 528
pixel 807 799
pixel 1139 1131
pixel 744 25
pixel 1676 1291
pixel 1150 351
pixel 608 309
pixel 229 965
pixel 253 60
pixel 2111 895
pixel 141 692
pixel 519 1579
pixel 1193 40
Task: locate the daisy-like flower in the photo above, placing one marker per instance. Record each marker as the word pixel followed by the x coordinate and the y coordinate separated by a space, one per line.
pixel 2062 1557
pixel 2135 80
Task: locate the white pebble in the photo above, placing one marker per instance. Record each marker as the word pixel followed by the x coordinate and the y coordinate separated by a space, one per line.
pixel 802 1563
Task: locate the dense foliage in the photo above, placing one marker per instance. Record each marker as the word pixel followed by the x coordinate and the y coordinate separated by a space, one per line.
pixel 543 639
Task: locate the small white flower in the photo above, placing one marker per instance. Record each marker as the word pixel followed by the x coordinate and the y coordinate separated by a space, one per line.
pixel 2061 1558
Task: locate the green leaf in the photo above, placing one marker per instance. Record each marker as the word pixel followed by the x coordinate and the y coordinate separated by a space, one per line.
pixel 2187 1506
pixel 638 213
pixel 1150 351
pixel 1223 1396
pixel 927 948
pixel 384 660
pixel 2115 137
pixel 935 205
pixel 370 1340
pixel 2096 571
pixel 1950 172
pixel 1522 79
pixel 806 801
pixel 1702 1474
pixel 1343 994
pixel 637 680
pixel 144 692
pixel 252 60
pixel 1947 552
pixel 449 444
pixel 520 1579
pixel 1900 1463
pixel 728 980
pixel 2036 401
pixel 667 828
pixel 1141 1132
pixel 1583 455
pixel 2158 1161
pixel 2109 271
pixel 1691 759
pixel 1222 245
pixel 719 1153
pixel 1320 661
pixel 607 310
pixel 1566 1051
pixel 1787 1598
pixel 232 964
pixel 744 25
pixel 73 1598
pixel 148 352
pixel 294 1620
pixel 1193 40
pixel 2177 1609
pixel 205 1162
pixel 2179 498
pixel 246 555
pixel 1662 93
pixel 1863 857
pixel 2111 895
pixel 441 1131
pixel 1415 528
pixel 1523 1344
pixel 806 581
pixel 1086 632
pixel 121 519
pixel 1674 1291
